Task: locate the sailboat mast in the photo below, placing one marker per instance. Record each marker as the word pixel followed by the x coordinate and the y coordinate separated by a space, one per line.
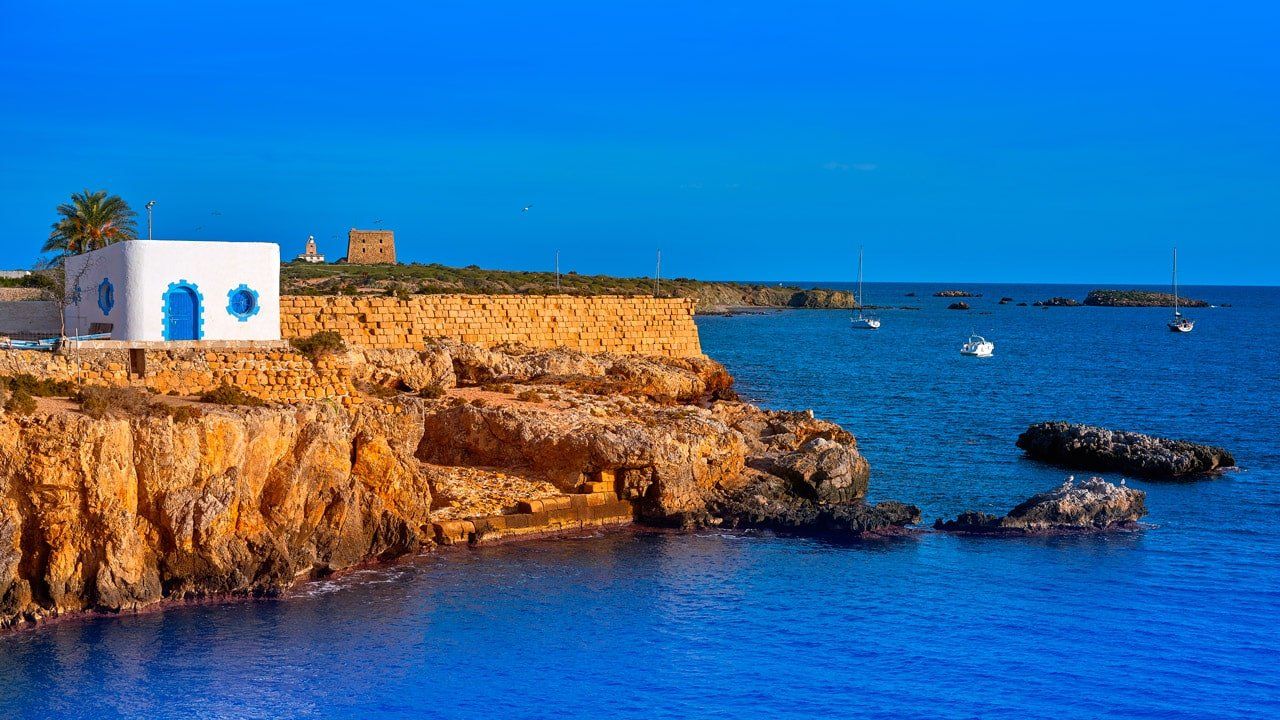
pixel 859 281
pixel 1175 282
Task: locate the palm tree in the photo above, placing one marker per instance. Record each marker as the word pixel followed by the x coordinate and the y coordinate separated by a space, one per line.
pixel 90 221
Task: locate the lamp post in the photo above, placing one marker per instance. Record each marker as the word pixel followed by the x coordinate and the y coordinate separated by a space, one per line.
pixel 657 277
pixel 150 204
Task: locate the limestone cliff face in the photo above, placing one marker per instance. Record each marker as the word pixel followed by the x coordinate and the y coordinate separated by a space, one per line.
pixel 114 514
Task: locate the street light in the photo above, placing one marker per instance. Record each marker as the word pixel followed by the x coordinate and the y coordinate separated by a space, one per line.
pixel 150 204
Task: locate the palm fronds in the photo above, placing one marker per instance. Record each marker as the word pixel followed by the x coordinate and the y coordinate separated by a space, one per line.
pixel 90 221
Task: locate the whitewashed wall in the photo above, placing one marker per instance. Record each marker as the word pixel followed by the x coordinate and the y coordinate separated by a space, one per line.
pixel 141 272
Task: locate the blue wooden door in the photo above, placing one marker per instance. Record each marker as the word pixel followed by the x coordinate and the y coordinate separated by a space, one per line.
pixel 183 317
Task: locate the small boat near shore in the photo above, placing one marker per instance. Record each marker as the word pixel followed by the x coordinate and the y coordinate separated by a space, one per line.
pixel 978 346
pixel 863 322
pixel 1178 324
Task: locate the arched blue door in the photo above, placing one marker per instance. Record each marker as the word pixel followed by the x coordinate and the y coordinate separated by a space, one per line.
pixel 184 321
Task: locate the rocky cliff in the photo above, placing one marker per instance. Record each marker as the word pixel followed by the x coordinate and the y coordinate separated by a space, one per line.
pixel 119 512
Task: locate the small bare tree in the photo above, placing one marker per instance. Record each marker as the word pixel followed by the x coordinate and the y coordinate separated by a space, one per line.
pixel 64 288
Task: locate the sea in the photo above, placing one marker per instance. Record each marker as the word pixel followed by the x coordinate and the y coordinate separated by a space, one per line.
pixel 1178 620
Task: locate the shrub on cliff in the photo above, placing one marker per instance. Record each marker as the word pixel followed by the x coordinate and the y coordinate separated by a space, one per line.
pixel 325 342
pixel 20 403
pixel 228 394
pixel 38 387
pixel 431 392
pixel 100 402
pixel 178 413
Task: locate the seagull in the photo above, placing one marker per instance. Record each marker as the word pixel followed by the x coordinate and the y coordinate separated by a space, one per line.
pixel 526 208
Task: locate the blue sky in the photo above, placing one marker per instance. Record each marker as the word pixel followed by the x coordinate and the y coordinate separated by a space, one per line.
pixel 992 141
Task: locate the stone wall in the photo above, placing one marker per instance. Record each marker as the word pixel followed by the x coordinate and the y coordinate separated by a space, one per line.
pixel 274 375
pixel 21 293
pixel 29 318
pixel 607 323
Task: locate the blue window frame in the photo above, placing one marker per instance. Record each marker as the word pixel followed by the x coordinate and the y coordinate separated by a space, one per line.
pixel 106 296
pixel 242 302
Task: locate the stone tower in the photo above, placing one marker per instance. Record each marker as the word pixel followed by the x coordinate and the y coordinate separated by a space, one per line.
pixel 368 247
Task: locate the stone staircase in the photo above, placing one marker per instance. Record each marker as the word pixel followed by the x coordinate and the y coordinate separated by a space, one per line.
pixel 594 504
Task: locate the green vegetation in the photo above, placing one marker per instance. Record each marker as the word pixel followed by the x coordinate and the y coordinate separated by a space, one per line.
pixel 401 281
pixel 99 402
pixel 38 387
pixel 20 403
pixel 325 342
pixel 431 392
pixel 90 221
pixel 42 280
pixel 228 394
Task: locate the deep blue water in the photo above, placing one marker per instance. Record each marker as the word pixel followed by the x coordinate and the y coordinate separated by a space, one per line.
pixel 1178 621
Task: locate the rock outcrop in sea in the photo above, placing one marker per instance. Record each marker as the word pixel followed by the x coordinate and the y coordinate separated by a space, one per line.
pixel 121 512
pixel 1094 505
pixel 954 293
pixel 1057 302
pixel 1085 447
pixel 1138 298
pixel 961 305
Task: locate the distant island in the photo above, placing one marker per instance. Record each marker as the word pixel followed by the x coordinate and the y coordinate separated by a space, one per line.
pixel 416 279
pixel 1138 298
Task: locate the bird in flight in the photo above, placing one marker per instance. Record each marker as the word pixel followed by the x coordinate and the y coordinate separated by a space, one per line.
pixel 526 208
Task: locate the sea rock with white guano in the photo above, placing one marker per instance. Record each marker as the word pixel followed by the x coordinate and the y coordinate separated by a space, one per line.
pixel 1086 447
pixel 1094 505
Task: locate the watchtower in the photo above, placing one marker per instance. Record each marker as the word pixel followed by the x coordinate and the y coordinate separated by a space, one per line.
pixel 369 247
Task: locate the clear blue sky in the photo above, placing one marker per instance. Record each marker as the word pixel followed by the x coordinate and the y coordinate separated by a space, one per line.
pixel 1001 141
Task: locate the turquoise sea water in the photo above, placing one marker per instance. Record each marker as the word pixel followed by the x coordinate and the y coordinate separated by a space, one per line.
pixel 1178 621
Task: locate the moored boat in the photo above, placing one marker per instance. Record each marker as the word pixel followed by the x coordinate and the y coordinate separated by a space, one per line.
pixel 978 346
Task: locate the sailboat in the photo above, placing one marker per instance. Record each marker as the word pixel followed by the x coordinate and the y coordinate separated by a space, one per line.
pixel 1178 324
pixel 863 322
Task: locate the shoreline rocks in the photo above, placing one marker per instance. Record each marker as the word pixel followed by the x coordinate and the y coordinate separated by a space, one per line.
pixel 771 503
pixel 1138 298
pixel 1085 447
pixel 1094 505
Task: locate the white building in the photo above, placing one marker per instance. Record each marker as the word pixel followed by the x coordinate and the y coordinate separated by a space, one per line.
pixel 310 253
pixel 161 290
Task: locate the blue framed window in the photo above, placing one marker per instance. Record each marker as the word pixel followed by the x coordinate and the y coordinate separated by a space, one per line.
pixel 106 296
pixel 242 302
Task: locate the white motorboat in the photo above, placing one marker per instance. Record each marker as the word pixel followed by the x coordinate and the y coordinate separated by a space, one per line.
pixel 978 346
pixel 1178 324
pixel 863 322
